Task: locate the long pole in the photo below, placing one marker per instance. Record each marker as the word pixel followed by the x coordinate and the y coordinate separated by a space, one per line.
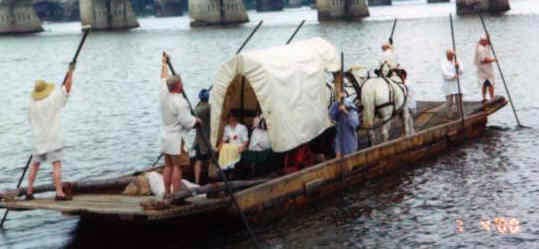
pixel 295 32
pixel 221 172
pixel 457 70
pixel 249 37
pixel 392 31
pixel 18 185
pixel 501 72
pixel 86 30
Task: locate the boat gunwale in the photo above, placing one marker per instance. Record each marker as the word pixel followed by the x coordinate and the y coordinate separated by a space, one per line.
pixel 469 120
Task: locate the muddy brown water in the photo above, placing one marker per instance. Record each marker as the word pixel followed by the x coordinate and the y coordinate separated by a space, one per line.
pixel 481 195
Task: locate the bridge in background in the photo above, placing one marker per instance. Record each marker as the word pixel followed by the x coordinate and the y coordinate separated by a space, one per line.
pixel 23 16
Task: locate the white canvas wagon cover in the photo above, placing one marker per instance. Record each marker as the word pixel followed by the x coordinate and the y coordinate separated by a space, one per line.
pixel 287 83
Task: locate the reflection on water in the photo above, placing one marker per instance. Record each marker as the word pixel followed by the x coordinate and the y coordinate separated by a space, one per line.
pixel 112 121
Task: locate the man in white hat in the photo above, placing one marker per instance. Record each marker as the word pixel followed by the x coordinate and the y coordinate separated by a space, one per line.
pixel 44 114
pixel 449 73
pixel 177 121
pixel 485 69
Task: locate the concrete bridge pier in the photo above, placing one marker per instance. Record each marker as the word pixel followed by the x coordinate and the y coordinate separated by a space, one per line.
pixel 168 7
pixel 379 2
pixel 294 3
pixel 57 10
pixel 18 16
pixel 341 10
pixel 107 14
pixel 269 5
pixel 465 7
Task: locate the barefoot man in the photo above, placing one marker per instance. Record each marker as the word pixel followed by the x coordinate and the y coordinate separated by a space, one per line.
pixel 485 69
pixel 177 121
pixel 44 110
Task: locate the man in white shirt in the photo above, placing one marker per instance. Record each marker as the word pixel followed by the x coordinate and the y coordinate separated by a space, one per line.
pixel 450 86
pixel 388 56
pixel 177 121
pixel 44 115
pixel 485 69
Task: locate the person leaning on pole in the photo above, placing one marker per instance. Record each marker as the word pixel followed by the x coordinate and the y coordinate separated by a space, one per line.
pixel 46 104
pixel 177 121
pixel 485 68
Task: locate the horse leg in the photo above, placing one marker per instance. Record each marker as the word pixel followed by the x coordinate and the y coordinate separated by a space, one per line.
pixel 385 131
pixel 372 137
pixel 408 122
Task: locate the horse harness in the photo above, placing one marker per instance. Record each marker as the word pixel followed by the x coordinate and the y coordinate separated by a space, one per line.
pixel 391 101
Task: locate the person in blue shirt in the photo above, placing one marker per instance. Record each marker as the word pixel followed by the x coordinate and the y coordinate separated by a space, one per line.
pixel 347 122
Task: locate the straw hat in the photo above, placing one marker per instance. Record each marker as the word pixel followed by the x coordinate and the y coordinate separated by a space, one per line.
pixel 42 90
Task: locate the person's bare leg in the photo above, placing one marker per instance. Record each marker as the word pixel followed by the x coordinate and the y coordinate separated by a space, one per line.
pixel 57 176
pixel 32 177
pixel 176 178
pixel 198 166
pixel 484 92
pixel 167 173
pixel 491 92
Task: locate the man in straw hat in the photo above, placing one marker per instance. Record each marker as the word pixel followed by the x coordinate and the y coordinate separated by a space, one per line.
pixel 46 103
pixel 485 69
pixel 177 121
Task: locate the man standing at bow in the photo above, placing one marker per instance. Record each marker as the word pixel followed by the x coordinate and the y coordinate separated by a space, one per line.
pixel 44 114
pixel 485 69
pixel 177 121
pixel 450 86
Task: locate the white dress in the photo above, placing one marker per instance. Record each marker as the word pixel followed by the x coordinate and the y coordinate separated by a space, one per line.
pixel 484 71
pixel 237 135
pixel 44 116
pixel 259 140
pixel 450 85
pixel 177 121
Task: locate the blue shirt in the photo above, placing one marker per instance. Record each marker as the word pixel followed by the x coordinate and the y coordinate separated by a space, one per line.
pixel 347 124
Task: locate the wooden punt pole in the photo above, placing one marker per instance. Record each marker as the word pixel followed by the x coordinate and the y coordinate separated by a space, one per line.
pixel 215 163
pixel 500 71
pixel 86 30
pixel 457 68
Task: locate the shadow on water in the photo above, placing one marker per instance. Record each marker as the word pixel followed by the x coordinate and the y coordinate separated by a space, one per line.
pixel 202 233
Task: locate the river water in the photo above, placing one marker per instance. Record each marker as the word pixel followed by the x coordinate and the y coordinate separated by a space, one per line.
pixel 111 123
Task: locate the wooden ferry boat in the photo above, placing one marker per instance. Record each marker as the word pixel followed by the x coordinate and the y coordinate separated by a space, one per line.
pixel 267 198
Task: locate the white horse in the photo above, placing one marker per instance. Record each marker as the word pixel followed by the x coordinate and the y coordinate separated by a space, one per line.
pixel 382 98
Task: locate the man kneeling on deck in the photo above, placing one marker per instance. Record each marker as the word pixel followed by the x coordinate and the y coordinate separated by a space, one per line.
pixel 177 122
pixel 44 113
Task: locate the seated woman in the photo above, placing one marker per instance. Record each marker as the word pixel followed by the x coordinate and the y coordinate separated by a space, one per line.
pixel 259 151
pixel 234 142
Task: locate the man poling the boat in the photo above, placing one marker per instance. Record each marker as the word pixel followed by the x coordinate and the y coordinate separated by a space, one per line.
pixel 46 104
pixel 485 68
pixel 450 85
pixel 177 121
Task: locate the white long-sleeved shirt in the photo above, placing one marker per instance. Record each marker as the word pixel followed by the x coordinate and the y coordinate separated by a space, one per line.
pixel 44 117
pixel 450 85
pixel 177 121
